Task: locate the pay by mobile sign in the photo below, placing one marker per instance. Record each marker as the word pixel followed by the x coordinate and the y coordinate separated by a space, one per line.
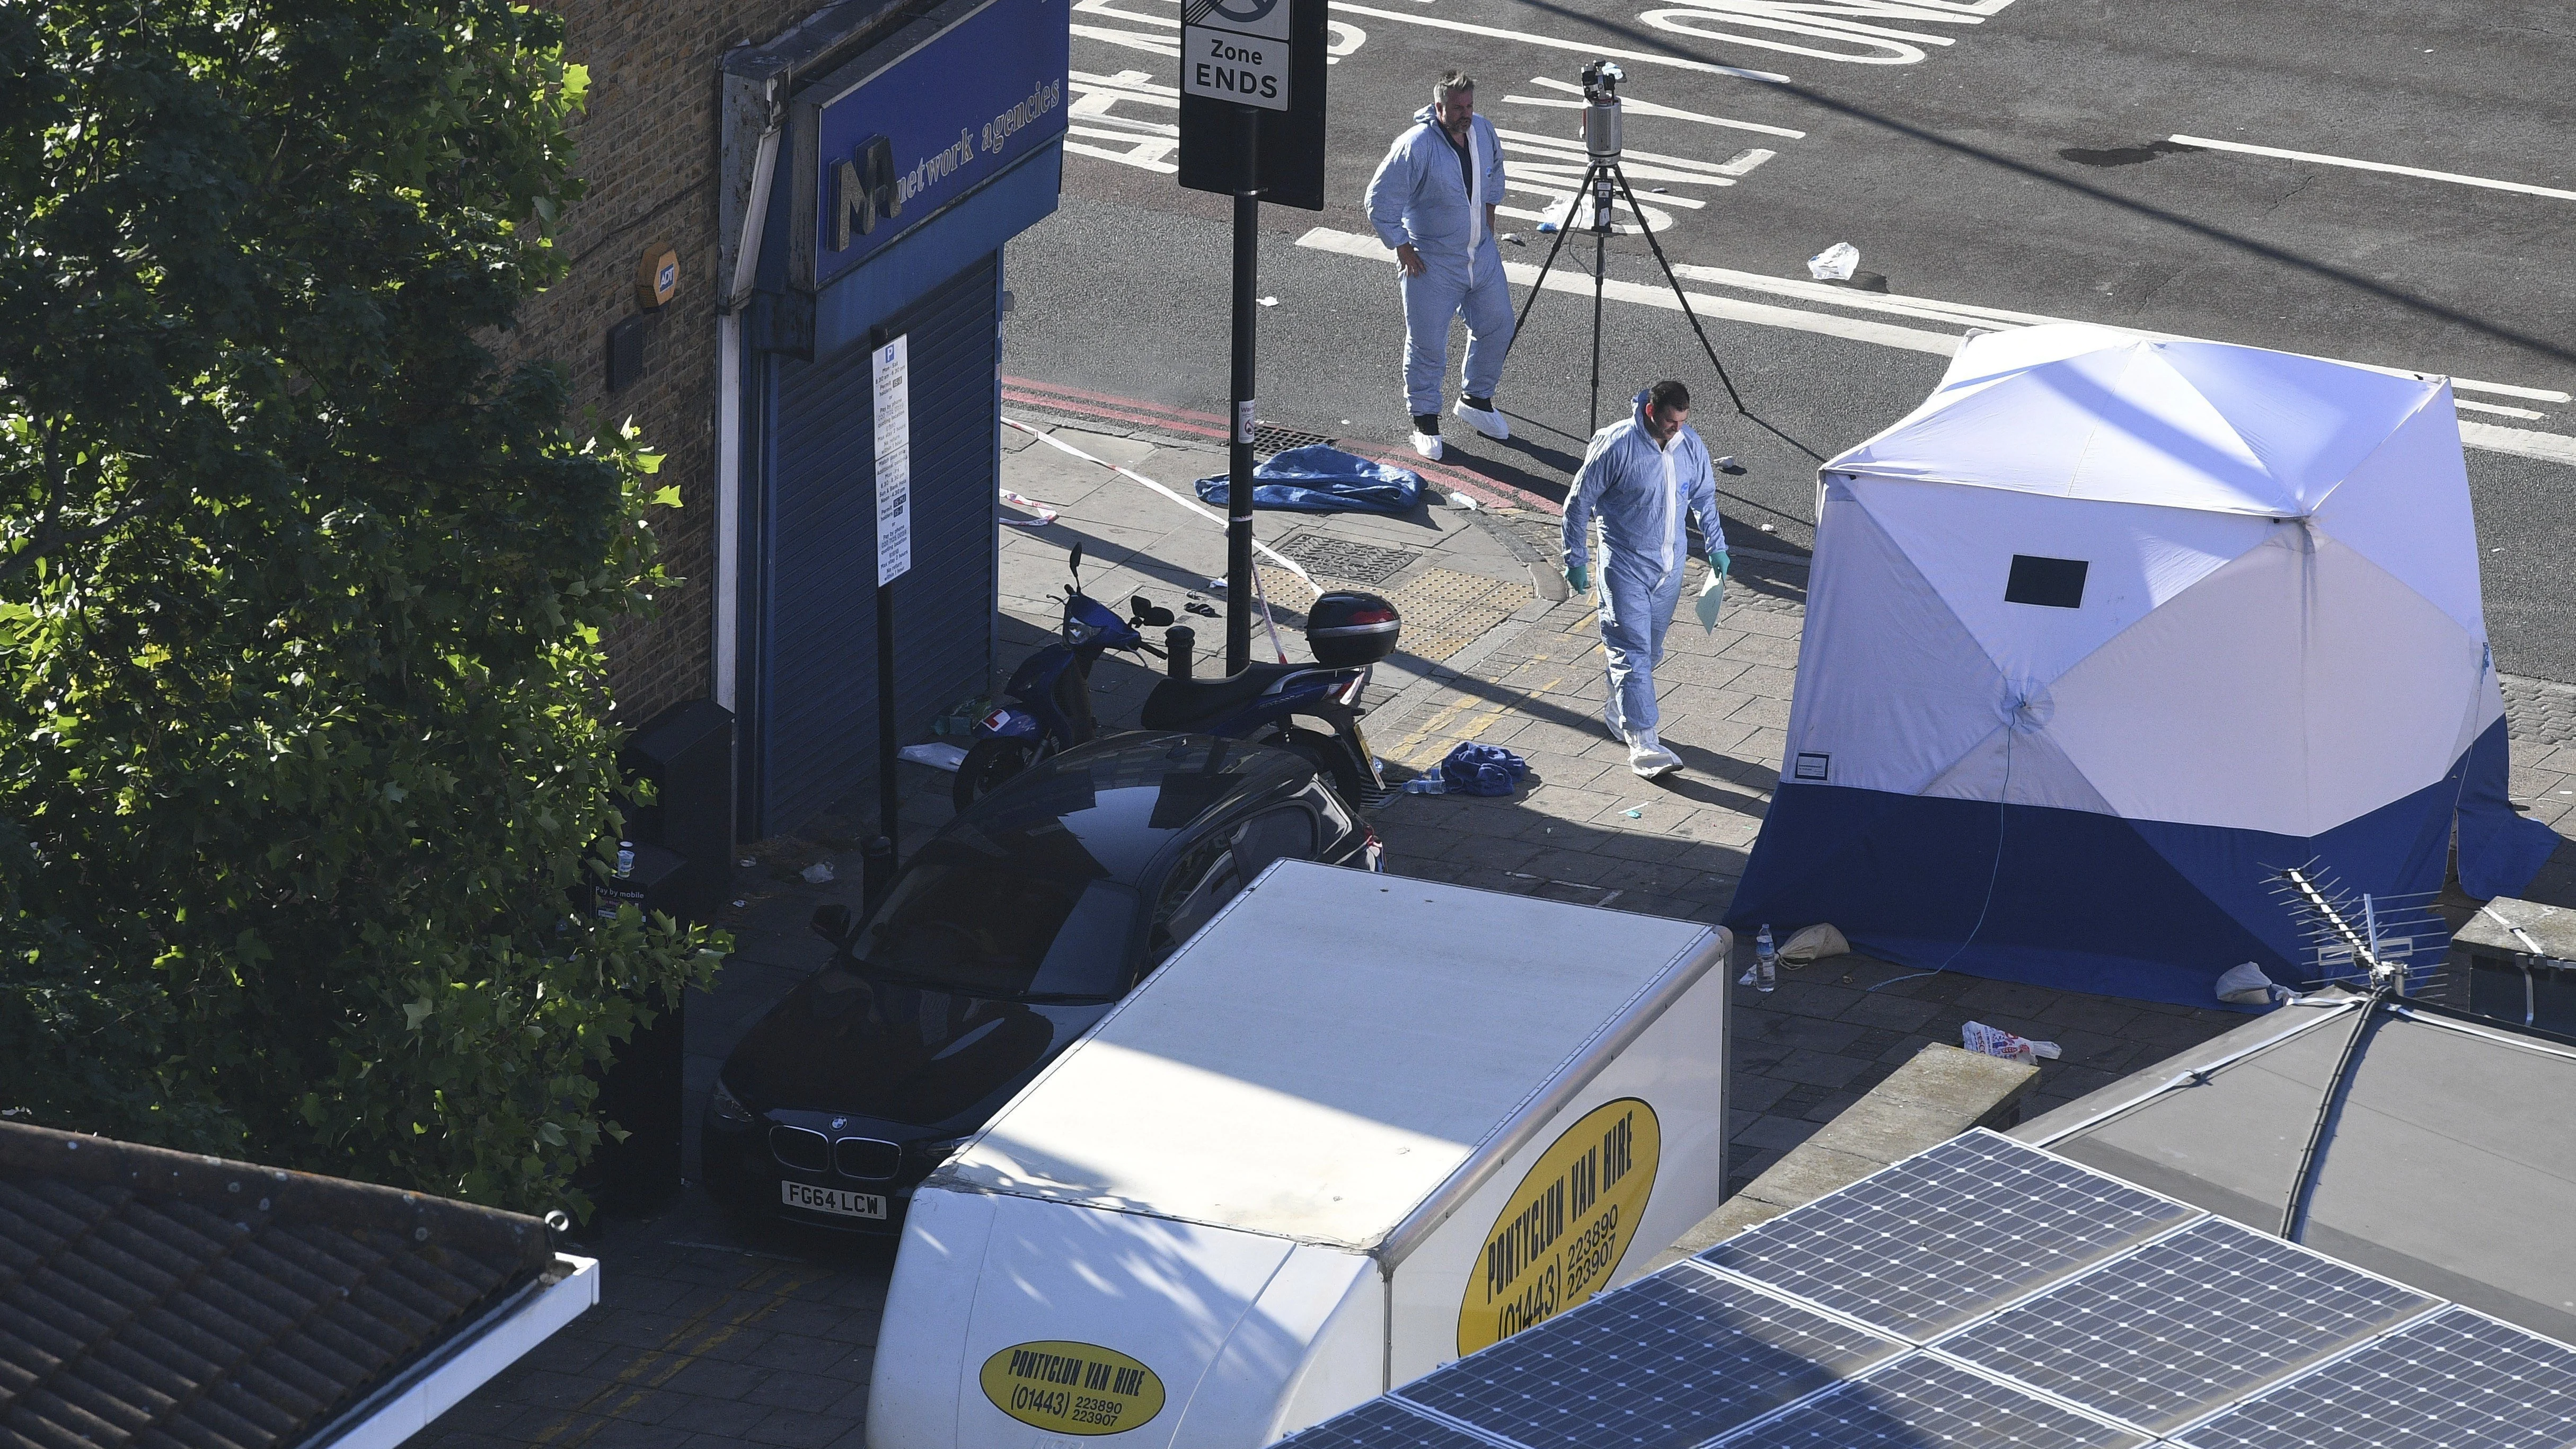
pixel 1236 50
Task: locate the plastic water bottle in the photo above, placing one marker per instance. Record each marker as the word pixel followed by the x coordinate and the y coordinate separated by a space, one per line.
pixel 1429 782
pixel 1766 960
pixel 626 862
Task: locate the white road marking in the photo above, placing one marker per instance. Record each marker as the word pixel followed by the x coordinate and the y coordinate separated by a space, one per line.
pixel 1642 57
pixel 1998 319
pixel 1170 49
pixel 2497 408
pixel 2324 160
pixel 1560 162
pixel 2523 442
pixel 1127 140
pixel 1636 107
pixel 1526 273
pixel 1839 21
pixel 1344 38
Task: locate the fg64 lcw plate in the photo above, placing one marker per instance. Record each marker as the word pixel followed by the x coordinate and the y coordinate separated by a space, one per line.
pixel 832 1200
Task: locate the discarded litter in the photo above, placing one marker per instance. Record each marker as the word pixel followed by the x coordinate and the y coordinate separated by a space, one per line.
pixel 1044 514
pixel 1546 228
pixel 1835 263
pixel 746 862
pixel 1767 528
pixel 1994 1041
pixel 1728 464
pixel 1269 301
pixel 1461 500
pixel 2248 985
pixel 1216 586
pixel 1201 607
pixel 819 873
pixel 1637 814
pixel 938 755
pixel 1659 190
pixel 1514 238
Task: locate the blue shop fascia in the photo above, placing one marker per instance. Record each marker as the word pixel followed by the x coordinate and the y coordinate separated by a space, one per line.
pixel 876 160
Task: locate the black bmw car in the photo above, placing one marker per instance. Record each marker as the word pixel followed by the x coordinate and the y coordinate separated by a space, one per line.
pixel 1002 940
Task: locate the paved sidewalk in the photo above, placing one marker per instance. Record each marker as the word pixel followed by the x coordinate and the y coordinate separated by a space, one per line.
pixel 712 1333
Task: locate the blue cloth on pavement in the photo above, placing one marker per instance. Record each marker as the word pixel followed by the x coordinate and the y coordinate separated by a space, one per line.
pixel 1320 478
pixel 1640 492
pixel 1474 769
pixel 1419 198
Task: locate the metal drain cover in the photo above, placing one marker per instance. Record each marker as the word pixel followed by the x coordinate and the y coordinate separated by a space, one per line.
pixel 1269 438
pixel 1339 558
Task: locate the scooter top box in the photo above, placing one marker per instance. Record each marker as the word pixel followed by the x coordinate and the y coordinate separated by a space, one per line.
pixel 1356 1127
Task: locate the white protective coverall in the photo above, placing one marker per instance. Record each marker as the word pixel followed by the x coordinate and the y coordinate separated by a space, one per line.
pixel 1640 493
pixel 1418 196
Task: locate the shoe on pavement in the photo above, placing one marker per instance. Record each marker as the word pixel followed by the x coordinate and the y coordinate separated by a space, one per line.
pixel 1487 419
pixel 1427 444
pixel 1648 757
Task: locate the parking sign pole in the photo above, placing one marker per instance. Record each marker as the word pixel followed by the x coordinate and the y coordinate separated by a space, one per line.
pixel 1238 495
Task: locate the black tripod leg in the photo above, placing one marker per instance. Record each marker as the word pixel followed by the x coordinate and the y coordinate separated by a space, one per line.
pixel 1648 230
pixel 1537 286
pixel 1684 297
pixel 1600 270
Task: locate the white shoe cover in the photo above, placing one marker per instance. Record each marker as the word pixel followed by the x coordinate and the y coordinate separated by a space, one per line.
pixel 1428 445
pixel 1490 423
pixel 1648 757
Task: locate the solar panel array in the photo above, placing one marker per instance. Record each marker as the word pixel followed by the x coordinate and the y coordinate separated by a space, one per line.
pixel 1988 1295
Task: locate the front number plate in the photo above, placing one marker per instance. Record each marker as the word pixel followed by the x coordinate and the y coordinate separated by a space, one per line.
pixel 832 1200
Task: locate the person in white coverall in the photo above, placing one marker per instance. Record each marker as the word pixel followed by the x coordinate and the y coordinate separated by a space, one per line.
pixel 1640 478
pixel 1433 200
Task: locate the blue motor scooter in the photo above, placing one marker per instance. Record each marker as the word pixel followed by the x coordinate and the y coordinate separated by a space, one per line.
pixel 1050 692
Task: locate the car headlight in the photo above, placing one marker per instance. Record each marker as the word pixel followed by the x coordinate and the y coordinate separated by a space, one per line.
pixel 726 1110
pixel 940 1151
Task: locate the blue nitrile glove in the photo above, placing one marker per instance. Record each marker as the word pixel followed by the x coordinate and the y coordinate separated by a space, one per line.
pixel 1578 578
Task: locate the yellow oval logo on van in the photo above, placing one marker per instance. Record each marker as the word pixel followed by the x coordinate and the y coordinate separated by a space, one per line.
pixel 1564 1229
pixel 1072 1388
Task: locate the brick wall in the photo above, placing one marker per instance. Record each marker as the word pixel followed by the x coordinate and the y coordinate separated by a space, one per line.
pixel 648 150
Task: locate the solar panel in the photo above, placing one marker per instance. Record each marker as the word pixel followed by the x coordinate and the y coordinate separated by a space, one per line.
pixel 2454 1380
pixel 2186 1324
pixel 1675 1358
pixel 1947 1234
pixel 1381 1424
pixel 1920 1401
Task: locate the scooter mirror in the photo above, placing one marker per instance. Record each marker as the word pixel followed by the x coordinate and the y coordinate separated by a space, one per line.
pixel 832 922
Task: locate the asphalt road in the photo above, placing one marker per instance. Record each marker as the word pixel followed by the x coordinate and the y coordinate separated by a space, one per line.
pixel 1995 155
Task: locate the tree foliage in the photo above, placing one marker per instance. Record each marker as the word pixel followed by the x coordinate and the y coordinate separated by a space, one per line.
pixel 305 762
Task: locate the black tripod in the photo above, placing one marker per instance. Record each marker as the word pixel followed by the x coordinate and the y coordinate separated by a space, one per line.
pixel 1595 189
pixel 1601 128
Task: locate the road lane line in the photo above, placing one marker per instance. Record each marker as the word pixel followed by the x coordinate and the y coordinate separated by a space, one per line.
pixel 1585 47
pixel 2522 442
pixel 2496 408
pixel 1637 107
pixel 1933 309
pixel 1325 239
pixel 2325 160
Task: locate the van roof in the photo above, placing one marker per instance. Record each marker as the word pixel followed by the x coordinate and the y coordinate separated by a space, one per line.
pixel 1329 1051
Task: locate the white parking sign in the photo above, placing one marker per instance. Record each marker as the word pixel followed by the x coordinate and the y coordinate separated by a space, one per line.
pixel 1236 50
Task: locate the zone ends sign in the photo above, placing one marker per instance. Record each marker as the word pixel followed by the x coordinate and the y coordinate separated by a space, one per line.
pixel 1236 50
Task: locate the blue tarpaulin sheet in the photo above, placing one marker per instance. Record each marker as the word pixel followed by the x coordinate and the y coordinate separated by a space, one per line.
pixel 1319 478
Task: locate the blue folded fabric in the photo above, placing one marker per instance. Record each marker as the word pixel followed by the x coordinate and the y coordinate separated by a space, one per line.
pixel 1473 769
pixel 1320 478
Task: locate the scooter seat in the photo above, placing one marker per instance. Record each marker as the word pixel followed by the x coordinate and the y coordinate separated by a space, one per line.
pixel 1186 703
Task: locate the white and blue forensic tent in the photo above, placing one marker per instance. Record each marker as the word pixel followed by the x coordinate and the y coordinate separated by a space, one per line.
pixel 2108 631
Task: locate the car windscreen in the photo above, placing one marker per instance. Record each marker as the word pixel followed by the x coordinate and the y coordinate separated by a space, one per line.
pixel 985 925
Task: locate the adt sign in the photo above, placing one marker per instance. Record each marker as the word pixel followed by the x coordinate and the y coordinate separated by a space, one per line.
pixel 1236 50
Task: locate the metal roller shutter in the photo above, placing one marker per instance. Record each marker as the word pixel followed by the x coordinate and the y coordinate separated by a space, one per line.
pixel 816 720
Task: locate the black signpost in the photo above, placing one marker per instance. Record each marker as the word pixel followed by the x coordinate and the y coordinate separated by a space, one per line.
pixel 1252 127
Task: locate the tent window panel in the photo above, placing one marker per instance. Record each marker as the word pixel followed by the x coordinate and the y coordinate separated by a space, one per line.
pixel 2052 583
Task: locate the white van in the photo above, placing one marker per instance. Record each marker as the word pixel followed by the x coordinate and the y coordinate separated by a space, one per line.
pixel 1356 1127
